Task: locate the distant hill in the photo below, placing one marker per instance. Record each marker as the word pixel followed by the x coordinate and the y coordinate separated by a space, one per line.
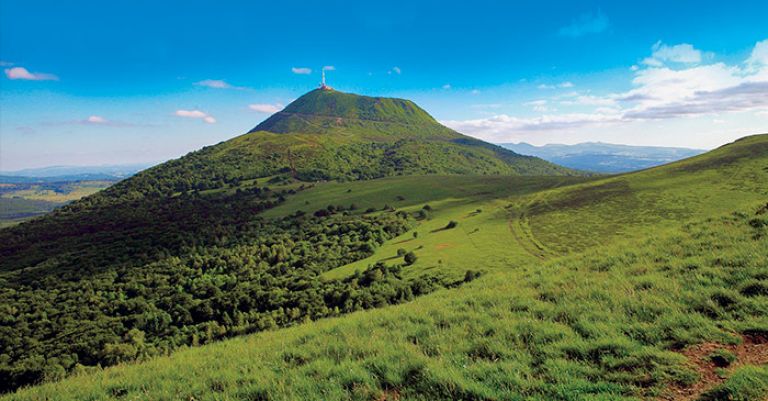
pixel 72 173
pixel 604 157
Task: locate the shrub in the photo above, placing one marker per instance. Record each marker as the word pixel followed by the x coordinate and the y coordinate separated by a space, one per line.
pixel 452 224
pixel 410 258
pixel 470 275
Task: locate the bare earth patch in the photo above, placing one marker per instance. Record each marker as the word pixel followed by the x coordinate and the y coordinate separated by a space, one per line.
pixel 753 350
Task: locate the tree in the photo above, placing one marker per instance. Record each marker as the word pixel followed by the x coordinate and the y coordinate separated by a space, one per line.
pixel 401 252
pixel 410 258
pixel 452 224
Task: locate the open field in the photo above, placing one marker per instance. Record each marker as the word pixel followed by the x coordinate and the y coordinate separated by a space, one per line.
pixel 604 325
pixel 618 288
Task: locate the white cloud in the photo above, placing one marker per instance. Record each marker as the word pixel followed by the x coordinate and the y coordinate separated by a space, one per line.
pixel 301 70
pixel 562 85
pixel 5 63
pixel 24 74
pixel 475 91
pixel 196 114
pixel 659 93
pixel 502 126
pixel 683 53
pixel 329 68
pixel 395 70
pixel 447 86
pixel 585 24
pixel 538 105
pixel 96 120
pixel 266 108
pixel 759 57
pixel 214 83
pixel 589 100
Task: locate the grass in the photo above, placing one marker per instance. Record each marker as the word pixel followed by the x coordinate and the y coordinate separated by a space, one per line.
pixel 601 325
pixel 590 288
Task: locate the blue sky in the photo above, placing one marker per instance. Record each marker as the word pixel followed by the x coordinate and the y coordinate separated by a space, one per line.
pixel 88 82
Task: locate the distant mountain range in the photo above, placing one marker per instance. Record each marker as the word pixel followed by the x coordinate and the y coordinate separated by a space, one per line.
pixel 72 173
pixel 604 157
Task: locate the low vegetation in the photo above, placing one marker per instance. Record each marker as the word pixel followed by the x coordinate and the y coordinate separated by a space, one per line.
pixel 602 325
pixel 489 287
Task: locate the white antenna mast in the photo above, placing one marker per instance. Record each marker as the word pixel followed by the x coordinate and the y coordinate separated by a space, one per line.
pixel 322 83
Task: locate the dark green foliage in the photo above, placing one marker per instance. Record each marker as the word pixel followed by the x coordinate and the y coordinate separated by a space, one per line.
pixel 451 224
pixel 104 282
pixel 18 208
pixel 471 275
pixel 410 258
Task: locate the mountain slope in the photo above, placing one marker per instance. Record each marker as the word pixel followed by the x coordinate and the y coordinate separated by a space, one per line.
pixel 182 254
pixel 607 321
pixel 327 134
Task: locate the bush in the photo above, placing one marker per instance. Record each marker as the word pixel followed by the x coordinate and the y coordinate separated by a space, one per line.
pixel 452 224
pixel 410 258
pixel 401 252
pixel 471 275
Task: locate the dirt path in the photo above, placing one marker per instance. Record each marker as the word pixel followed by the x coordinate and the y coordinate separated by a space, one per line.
pixel 753 350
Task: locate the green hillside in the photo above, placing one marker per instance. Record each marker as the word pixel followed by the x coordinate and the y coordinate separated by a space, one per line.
pixel 588 288
pixel 184 253
pixel 330 135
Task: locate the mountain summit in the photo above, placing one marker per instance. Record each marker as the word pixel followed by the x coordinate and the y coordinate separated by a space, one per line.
pixel 321 110
pixel 330 135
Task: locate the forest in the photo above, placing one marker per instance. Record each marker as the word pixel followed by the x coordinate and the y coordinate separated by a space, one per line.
pixel 182 271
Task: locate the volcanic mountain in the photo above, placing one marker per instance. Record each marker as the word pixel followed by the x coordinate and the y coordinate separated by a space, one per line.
pixel 327 134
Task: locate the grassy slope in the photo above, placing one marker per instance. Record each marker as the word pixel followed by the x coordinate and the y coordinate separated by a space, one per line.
pixel 537 326
pixel 597 326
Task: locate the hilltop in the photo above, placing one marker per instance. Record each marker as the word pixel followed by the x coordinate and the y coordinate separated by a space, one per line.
pixel 331 135
pixel 629 287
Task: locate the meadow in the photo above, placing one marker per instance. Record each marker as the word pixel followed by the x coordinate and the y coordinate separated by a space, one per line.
pixel 649 285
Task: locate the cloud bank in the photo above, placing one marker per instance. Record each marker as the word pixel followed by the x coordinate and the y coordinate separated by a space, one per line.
pixel 676 84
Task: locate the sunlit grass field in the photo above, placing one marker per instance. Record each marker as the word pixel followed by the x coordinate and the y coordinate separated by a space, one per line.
pixel 590 290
